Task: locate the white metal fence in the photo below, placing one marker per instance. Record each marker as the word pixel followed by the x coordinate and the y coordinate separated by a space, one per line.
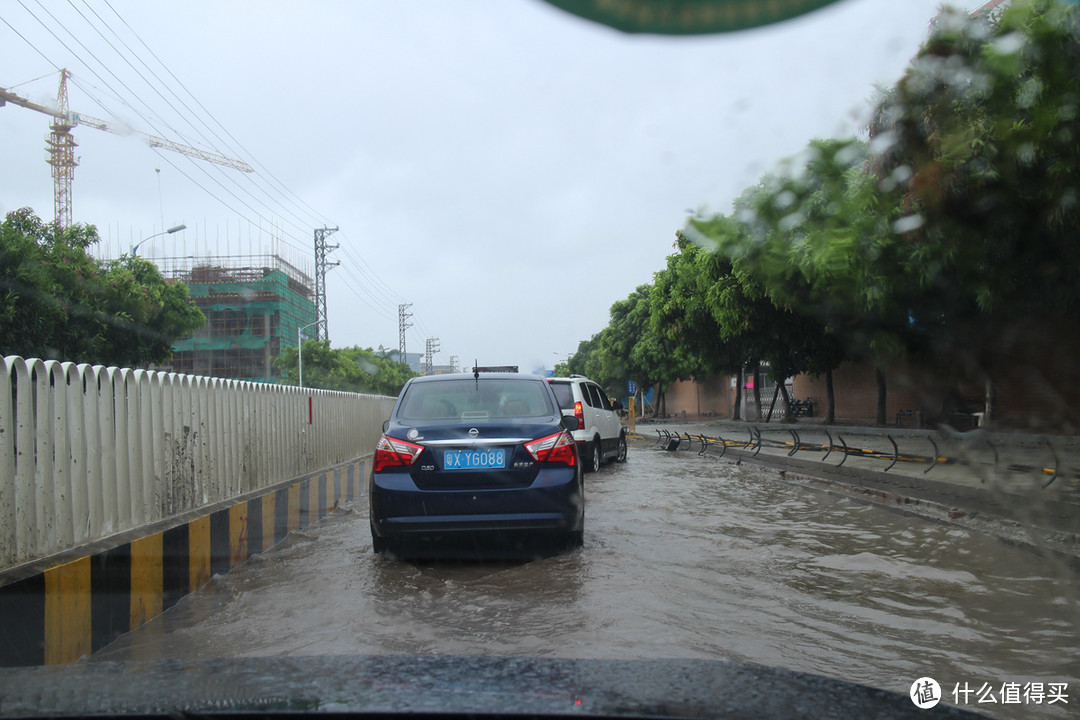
pixel 88 451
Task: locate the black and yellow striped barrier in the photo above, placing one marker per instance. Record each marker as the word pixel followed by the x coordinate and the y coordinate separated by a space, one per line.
pixel 60 611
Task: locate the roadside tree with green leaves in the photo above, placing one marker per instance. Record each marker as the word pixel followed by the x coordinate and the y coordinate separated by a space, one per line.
pixel 815 240
pixel 627 349
pixel 588 361
pixel 350 369
pixel 681 311
pixel 756 319
pixel 949 239
pixel 58 302
pixel 980 147
pixel 632 350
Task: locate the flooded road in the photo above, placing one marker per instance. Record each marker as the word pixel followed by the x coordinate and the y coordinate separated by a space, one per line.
pixel 684 557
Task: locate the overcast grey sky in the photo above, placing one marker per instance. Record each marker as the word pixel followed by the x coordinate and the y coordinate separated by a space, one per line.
pixel 508 169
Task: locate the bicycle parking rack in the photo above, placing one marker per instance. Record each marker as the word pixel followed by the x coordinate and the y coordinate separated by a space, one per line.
pixel 667 440
pixel 1049 461
pixel 699 438
pixel 757 439
pixel 704 444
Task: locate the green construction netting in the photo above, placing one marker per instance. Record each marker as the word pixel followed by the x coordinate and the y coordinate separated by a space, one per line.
pixel 230 342
pixel 271 295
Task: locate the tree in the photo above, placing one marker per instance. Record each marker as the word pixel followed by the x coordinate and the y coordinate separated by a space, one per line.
pixel 588 361
pixel 753 306
pixel 819 241
pixel 980 148
pixel 351 369
pixel 632 350
pixel 58 302
pixel 629 348
pixel 680 313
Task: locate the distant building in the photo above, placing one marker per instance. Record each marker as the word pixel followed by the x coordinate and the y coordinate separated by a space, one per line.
pixel 415 361
pixel 254 307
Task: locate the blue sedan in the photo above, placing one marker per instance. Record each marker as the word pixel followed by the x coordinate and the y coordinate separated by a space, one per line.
pixel 467 455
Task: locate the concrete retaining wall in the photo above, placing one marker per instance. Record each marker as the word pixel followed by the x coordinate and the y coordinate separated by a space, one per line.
pixel 123 490
pixel 64 608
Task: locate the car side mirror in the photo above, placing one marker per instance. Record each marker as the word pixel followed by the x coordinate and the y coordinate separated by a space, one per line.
pixel 571 423
pixel 385 425
pixel 617 405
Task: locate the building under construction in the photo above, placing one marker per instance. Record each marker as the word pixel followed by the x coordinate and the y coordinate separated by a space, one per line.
pixel 255 307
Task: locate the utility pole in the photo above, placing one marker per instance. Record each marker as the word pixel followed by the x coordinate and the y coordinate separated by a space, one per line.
pixel 454 364
pixel 322 332
pixel 403 325
pixel 429 355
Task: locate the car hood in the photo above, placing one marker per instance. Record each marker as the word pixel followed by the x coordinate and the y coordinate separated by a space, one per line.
pixel 444 684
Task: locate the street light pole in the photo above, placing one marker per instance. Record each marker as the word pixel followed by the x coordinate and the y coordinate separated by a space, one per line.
pixel 170 231
pixel 300 349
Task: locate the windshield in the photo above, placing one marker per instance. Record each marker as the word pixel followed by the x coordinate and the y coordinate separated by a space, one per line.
pixel 812 267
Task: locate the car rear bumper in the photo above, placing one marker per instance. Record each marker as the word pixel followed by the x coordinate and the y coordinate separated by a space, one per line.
pixel 400 509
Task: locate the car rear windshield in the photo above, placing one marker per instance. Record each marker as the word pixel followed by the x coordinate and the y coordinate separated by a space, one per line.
pixel 469 399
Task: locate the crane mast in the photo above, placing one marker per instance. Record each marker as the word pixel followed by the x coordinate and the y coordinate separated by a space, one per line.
pixel 61 147
pixel 60 144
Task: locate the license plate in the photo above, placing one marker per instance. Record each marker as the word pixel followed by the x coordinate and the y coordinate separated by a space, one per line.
pixel 474 459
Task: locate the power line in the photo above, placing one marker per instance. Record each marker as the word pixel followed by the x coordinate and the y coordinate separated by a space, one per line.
pixel 246 202
pixel 32 45
pixel 362 266
pixel 315 214
pixel 141 115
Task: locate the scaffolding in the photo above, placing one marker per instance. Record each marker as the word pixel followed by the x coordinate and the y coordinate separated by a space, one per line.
pixel 255 306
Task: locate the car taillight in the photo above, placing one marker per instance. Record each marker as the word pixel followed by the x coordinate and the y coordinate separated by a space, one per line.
pixel 557 448
pixel 391 452
pixel 579 413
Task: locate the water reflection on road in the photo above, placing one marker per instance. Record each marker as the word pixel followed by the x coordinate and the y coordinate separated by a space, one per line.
pixel 684 556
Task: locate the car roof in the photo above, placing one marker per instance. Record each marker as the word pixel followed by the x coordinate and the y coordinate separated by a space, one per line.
pixel 481 376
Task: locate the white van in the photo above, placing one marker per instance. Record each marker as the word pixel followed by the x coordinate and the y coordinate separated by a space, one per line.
pixel 601 435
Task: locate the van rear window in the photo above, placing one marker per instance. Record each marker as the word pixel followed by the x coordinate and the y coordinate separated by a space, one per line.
pixel 563 394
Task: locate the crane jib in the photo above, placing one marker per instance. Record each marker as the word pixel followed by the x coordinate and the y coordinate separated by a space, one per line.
pixel 61 144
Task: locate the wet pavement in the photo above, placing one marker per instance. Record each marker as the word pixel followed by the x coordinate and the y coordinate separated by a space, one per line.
pixel 686 556
pixel 1022 488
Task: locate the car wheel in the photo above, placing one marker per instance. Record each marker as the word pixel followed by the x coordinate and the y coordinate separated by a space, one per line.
pixel 620 456
pixel 593 463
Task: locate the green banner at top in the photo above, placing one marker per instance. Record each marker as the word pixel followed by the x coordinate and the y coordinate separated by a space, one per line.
pixel 688 17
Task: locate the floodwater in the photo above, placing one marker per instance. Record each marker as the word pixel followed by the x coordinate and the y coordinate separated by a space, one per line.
pixel 684 557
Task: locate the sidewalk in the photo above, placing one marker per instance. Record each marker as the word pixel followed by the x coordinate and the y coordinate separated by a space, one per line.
pixel 1022 488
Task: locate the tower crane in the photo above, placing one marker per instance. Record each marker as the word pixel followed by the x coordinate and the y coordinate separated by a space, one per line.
pixel 61 144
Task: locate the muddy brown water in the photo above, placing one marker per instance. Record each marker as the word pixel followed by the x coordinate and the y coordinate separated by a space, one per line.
pixel 684 556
